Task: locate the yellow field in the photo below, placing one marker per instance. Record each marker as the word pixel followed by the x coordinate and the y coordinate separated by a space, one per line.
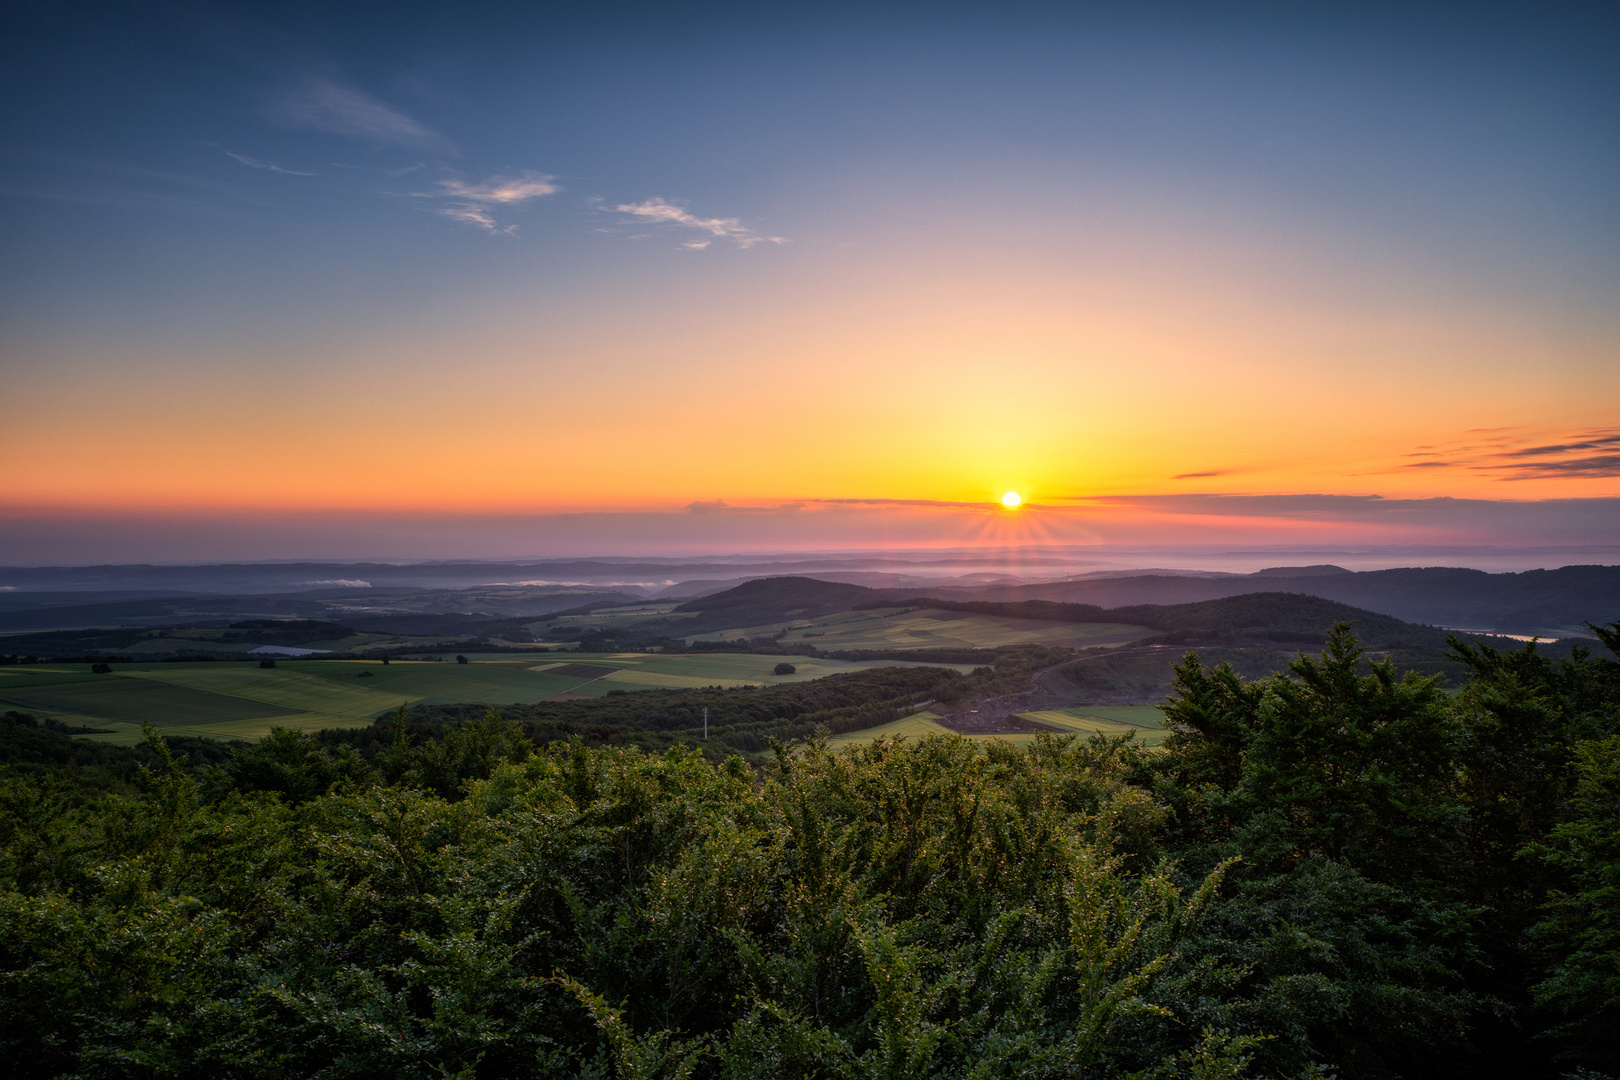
pixel 916 726
pixel 1086 720
pixel 1142 720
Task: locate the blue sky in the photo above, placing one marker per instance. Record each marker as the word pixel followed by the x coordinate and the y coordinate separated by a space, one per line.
pixel 1112 249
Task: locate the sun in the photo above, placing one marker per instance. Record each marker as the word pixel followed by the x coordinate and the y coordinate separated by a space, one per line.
pixel 1012 500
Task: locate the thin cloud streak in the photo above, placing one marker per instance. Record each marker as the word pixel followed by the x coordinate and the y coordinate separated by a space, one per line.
pixel 268 166
pixel 720 506
pixel 947 503
pixel 664 212
pixel 1593 454
pixel 321 104
pixel 476 216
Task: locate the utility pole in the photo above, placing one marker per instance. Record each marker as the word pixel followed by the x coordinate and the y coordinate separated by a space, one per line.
pixel 705 723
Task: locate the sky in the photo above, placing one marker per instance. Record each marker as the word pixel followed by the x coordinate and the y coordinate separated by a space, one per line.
pixel 323 280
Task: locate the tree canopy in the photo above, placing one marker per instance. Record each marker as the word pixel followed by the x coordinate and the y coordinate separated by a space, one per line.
pixel 1340 867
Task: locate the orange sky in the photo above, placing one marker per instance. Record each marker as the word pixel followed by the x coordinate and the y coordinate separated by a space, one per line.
pixel 1094 262
pixel 829 377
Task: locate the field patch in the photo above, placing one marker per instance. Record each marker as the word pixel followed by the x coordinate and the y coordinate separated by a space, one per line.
pixel 445 683
pixel 135 700
pixel 294 690
pixel 21 677
pixel 627 615
pixel 916 726
pixel 648 680
pixel 729 669
pixel 906 628
pixel 920 726
pixel 1143 716
pixel 578 671
pixel 1142 721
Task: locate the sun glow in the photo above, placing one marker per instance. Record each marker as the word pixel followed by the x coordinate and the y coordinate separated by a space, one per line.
pixel 1012 500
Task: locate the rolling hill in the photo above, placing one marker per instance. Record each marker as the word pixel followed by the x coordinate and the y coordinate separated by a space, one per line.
pixel 1273 616
pixel 1546 602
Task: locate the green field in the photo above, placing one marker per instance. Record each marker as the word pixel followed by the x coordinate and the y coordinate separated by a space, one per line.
pixel 627 615
pixel 918 726
pixel 924 628
pixel 126 699
pixel 240 700
pixel 1146 721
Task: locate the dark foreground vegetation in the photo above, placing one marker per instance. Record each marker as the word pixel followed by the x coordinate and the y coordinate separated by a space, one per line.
pixel 1339 871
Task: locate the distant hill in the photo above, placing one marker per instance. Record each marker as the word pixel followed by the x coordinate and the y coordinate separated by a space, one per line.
pixel 1277 616
pixel 1547 602
pixel 769 600
pixel 1268 616
pixel 169 611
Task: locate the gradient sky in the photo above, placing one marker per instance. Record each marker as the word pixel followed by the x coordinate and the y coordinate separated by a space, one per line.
pixel 723 276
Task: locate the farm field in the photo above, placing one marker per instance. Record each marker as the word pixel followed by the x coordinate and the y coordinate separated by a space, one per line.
pixel 240 700
pixel 208 642
pixel 1146 721
pixel 917 726
pixel 923 628
pixel 627 615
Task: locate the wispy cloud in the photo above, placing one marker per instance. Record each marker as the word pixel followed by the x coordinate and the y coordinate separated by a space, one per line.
pixel 663 212
pixel 1197 475
pixel 471 203
pixel 1502 453
pixel 268 166
pixel 321 104
pixel 504 190
pixel 476 216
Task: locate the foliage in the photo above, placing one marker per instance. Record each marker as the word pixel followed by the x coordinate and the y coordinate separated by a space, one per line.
pixel 1328 869
pixel 741 719
pixel 1583 917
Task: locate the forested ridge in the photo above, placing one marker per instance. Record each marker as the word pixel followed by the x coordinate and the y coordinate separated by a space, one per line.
pixel 1339 870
